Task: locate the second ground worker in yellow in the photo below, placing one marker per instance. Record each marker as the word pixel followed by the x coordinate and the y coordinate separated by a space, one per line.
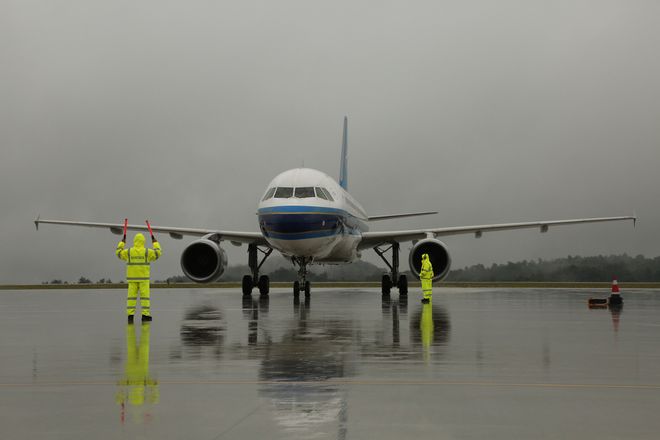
pixel 426 278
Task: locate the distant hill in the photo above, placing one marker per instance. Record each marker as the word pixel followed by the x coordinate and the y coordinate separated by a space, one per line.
pixel 579 269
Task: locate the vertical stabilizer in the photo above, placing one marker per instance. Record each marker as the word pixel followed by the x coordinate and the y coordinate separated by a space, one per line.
pixel 343 165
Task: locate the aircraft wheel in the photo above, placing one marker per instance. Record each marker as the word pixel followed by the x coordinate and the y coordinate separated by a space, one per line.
pixel 296 288
pixel 308 289
pixel 403 285
pixel 264 285
pixel 386 284
pixel 247 285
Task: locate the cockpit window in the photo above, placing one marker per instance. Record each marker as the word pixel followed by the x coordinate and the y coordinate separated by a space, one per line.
pixel 304 192
pixel 327 194
pixel 320 194
pixel 269 194
pixel 283 192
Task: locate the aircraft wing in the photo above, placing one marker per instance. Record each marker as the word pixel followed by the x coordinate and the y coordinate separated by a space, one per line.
pixel 371 239
pixel 174 232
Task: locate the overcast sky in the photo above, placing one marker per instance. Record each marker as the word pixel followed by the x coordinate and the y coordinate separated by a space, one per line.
pixel 183 111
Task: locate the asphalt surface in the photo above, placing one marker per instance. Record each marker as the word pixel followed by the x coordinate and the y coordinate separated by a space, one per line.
pixel 475 364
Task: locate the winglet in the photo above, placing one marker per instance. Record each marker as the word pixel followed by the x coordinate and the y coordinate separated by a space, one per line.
pixel 36 222
pixel 343 165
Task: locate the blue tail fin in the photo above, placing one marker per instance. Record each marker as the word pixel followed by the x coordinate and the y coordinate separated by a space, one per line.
pixel 343 166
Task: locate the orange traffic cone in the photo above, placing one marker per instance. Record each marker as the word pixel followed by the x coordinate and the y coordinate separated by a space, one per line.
pixel 615 298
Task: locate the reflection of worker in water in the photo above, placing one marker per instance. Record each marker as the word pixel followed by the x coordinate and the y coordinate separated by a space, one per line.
pixel 138 259
pixel 426 328
pixel 426 277
pixel 136 387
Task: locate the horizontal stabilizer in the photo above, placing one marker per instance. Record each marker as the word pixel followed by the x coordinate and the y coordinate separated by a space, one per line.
pixel 409 214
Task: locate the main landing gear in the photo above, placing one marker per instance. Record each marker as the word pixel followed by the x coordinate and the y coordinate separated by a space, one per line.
pixel 393 278
pixel 301 284
pixel 254 280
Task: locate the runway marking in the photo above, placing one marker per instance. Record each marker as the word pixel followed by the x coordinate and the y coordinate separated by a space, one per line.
pixel 353 382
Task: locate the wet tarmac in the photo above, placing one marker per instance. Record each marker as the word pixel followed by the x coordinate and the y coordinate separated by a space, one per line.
pixel 474 364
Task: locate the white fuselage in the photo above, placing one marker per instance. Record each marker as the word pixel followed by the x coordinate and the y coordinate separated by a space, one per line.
pixel 305 213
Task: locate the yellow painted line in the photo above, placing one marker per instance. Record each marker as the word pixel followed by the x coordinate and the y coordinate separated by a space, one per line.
pixel 353 383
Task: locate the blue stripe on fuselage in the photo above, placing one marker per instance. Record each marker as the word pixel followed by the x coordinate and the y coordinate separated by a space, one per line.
pixel 303 222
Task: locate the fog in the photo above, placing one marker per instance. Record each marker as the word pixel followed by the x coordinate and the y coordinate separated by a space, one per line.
pixel 182 112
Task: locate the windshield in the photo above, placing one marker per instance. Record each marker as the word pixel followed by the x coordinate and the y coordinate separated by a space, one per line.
pixel 283 192
pixel 269 194
pixel 326 193
pixel 320 194
pixel 304 192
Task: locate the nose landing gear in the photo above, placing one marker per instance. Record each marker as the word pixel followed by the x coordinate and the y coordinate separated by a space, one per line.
pixel 301 283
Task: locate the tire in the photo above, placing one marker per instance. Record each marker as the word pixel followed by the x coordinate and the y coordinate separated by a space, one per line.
pixel 264 285
pixel 308 289
pixel 247 285
pixel 403 285
pixel 386 284
pixel 296 288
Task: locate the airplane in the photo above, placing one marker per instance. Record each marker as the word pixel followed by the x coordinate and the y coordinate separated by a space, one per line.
pixel 312 219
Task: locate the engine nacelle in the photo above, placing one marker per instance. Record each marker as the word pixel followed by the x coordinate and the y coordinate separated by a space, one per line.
pixel 438 254
pixel 203 261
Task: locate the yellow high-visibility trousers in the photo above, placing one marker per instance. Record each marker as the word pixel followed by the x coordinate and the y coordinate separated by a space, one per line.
pixel 427 286
pixel 141 287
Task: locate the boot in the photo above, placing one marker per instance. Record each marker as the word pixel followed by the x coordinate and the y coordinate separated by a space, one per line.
pixel 425 300
pixel 131 318
pixel 146 318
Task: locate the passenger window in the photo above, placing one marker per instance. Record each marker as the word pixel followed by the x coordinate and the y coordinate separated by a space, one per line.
pixel 320 194
pixel 283 192
pixel 327 194
pixel 304 192
pixel 269 194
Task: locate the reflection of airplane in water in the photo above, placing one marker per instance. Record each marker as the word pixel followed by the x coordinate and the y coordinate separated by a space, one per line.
pixel 203 328
pixel 304 360
pixel 137 388
pixel 296 371
pixel 295 364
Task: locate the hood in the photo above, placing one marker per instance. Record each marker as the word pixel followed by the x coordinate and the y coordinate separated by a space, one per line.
pixel 138 240
pixel 425 257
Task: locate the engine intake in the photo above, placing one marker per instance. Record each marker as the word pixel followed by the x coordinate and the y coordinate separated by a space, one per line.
pixel 203 261
pixel 438 254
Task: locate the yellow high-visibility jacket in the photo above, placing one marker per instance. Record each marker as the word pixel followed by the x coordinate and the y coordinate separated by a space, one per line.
pixel 426 271
pixel 138 258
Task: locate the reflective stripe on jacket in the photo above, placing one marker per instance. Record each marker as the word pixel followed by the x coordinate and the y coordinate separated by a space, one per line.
pixel 138 258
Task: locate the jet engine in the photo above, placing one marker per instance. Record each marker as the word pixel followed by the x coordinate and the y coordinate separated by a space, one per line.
pixel 203 261
pixel 438 254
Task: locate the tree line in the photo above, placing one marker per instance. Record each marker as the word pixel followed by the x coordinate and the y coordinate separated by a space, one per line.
pixel 570 269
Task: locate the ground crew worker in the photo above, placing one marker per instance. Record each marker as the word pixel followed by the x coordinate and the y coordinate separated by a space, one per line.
pixel 138 259
pixel 426 277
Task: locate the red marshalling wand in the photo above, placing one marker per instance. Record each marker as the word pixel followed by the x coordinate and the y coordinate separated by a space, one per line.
pixel 150 231
pixel 125 227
